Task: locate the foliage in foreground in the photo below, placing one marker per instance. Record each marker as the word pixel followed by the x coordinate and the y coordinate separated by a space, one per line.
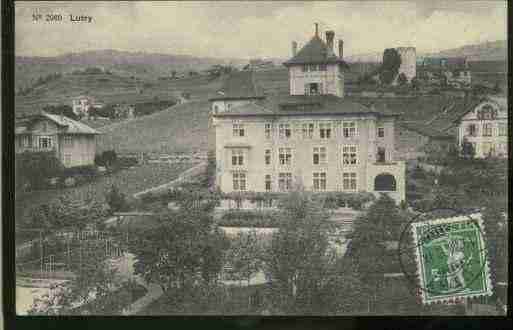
pixel 305 276
pixel 181 254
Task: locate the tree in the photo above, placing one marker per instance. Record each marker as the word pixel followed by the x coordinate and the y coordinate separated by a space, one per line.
pixel 66 212
pixel 298 259
pixel 245 255
pixel 107 158
pixel 402 79
pixel 182 252
pixel 415 83
pixel 33 168
pixel 390 66
pixel 371 231
pixel 116 200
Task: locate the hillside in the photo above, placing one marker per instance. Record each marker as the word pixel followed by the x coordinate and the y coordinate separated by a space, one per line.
pixel 140 64
pixel 112 88
pixel 180 128
pixel 487 51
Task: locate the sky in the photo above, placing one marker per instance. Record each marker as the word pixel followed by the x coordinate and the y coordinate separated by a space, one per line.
pixel 247 29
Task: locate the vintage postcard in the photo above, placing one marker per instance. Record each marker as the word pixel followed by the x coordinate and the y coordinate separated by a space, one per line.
pixel 261 158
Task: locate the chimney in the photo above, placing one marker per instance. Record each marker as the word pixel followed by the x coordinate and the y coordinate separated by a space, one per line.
pixel 316 29
pixel 341 49
pixel 330 35
pixel 294 48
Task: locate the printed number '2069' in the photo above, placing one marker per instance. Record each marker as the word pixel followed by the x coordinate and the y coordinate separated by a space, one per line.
pixel 53 17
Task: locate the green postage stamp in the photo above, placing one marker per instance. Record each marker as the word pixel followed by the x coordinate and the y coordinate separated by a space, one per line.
pixel 451 259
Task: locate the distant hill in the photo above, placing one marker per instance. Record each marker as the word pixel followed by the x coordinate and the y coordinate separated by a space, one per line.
pixel 141 64
pixel 487 51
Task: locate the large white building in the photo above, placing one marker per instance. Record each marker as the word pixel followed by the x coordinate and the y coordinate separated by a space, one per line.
pixel 312 137
pixel 485 125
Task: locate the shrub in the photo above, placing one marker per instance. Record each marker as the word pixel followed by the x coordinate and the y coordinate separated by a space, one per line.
pixel 34 168
pixel 245 218
pixel 107 158
pixel 116 200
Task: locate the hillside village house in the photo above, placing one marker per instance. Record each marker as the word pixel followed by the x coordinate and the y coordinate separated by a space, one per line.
pixel 455 69
pixel 311 136
pixel 82 104
pixel 73 143
pixel 485 125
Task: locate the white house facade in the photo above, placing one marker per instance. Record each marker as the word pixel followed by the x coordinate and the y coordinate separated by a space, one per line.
pixel 312 137
pixel 485 125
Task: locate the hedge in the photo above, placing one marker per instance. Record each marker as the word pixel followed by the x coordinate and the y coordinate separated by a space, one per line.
pixel 244 218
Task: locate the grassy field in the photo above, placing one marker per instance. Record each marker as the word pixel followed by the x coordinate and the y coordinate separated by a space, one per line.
pixel 183 127
pixel 129 181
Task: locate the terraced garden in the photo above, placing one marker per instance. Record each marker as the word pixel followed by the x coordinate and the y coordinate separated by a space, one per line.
pixel 129 181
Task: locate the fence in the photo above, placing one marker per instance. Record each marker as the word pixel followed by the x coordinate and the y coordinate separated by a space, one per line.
pixel 59 255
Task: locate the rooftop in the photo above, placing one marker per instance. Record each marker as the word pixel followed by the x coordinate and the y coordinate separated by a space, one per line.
pixel 316 51
pixel 425 130
pixel 239 85
pixel 294 105
pixel 69 126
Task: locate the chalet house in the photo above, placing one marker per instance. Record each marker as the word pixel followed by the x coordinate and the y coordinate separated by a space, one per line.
pixel 311 136
pixel 73 142
pixel 485 125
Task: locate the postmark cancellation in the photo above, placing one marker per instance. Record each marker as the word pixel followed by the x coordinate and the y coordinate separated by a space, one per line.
pixel 451 259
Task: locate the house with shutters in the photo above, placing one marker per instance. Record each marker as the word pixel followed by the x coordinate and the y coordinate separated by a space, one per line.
pixel 311 137
pixel 73 142
pixel 484 124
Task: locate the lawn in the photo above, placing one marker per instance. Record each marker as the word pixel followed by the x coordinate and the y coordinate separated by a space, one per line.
pixel 129 181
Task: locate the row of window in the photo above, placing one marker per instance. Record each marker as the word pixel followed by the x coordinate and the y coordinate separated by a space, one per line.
pixel 348 181
pixel 487 129
pixel 494 149
pixel 306 130
pixel 44 142
pixel 319 156
pixel 313 67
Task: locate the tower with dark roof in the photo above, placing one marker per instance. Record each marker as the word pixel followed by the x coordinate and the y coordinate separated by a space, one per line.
pixel 315 69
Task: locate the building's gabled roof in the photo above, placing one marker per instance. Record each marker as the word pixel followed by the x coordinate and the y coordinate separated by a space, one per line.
pixel 68 125
pixel 426 130
pixel 239 85
pixel 316 51
pixel 302 105
pixel 502 102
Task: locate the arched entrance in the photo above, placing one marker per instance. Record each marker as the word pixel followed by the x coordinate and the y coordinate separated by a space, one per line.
pixel 384 182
